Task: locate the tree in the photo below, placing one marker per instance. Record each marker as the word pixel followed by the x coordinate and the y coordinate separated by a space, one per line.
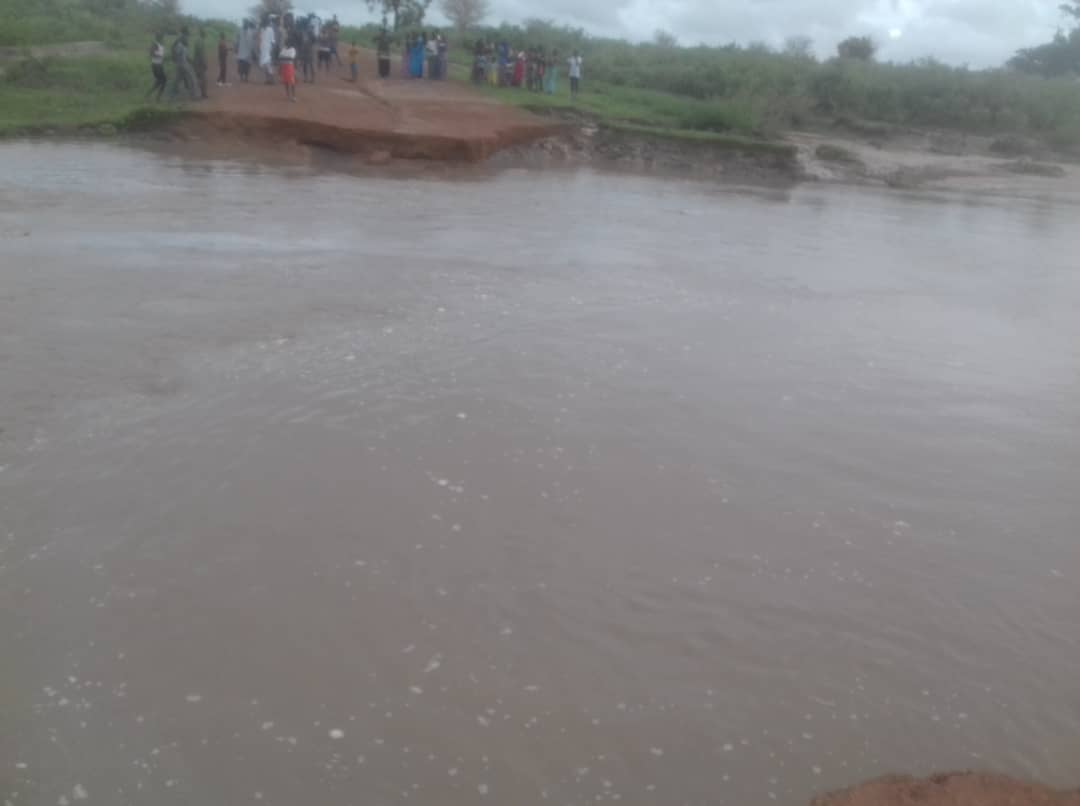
pixel 404 13
pixel 265 8
pixel 859 48
pixel 1057 58
pixel 465 14
pixel 665 39
pixel 799 47
pixel 166 14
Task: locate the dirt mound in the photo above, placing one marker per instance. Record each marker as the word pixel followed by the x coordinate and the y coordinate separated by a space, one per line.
pixel 949 789
pixel 402 118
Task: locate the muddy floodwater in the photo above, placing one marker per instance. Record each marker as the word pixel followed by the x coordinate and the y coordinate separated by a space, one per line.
pixel 527 488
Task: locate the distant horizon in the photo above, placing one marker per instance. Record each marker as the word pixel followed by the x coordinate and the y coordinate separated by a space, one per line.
pixel 955 32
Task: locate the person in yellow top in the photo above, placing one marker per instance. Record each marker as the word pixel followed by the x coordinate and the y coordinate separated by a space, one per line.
pixel 354 61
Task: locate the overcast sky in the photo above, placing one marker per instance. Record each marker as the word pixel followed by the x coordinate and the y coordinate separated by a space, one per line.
pixel 976 32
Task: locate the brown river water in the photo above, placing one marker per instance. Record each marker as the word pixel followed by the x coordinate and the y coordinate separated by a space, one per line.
pixel 529 487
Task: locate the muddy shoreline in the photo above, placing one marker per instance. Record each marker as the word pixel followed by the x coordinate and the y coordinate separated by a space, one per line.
pixel 905 160
pixel 908 162
pixel 949 789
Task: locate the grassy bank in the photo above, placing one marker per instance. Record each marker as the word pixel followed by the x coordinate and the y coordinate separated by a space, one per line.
pixel 756 91
pixel 71 95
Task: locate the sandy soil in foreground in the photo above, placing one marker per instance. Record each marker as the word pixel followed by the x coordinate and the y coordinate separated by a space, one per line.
pixel 949 789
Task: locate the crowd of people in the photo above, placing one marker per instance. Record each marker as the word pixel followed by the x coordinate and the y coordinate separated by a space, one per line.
pixel 281 46
pixel 534 69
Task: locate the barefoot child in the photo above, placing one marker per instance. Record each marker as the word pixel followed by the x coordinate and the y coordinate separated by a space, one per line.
pixel 287 58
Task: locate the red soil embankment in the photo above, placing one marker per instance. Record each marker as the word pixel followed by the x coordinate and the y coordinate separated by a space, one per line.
pixel 392 118
pixel 949 789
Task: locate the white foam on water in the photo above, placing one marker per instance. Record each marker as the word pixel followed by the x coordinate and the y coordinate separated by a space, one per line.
pixel 193 698
pixel 657 751
pixel 337 733
pixel 409 649
pixel 79 792
pixel 416 689
pixel 267 725
pixel 482 789
pixel 433 664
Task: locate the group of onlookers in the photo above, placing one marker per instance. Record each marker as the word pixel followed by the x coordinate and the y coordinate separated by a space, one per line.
pixel 426 55
pixel 534 69
pixel 280 46
pixel 190 65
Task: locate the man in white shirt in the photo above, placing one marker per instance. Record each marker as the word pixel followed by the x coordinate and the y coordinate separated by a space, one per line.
pixel 575 73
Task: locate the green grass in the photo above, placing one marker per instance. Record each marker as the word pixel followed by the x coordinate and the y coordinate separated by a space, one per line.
pixel 607 103
pixel 70 94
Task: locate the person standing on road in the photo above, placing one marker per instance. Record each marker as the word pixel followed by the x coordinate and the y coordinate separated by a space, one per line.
pixel 287 66
pixel 200 62
pixel 383 45
pixel 245 50
pixel 416 56
pixel 354 62
pixel 222 60
pixel 266 50
pixel 307 51
pixel 575 74
pixel 157 68
pixel 443 57
pixel 432 48
pixel 183 67
pixel 324 52
pixel 333 33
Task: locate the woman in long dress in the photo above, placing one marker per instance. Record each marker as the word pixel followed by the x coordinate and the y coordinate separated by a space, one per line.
pixel 419 51
pixel 519 70
pixel 551 74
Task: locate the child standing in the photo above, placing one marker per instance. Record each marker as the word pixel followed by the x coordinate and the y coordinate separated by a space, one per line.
pixel 287 59
pixel 354 61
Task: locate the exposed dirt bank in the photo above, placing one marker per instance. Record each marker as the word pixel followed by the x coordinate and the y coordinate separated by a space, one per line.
pixel 374 119
pixel 949 789
pixel 905 160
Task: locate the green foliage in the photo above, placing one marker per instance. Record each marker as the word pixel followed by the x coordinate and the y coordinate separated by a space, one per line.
pixel 402 14
pixel 77 94
pixel 1060 57
pixel 859 48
